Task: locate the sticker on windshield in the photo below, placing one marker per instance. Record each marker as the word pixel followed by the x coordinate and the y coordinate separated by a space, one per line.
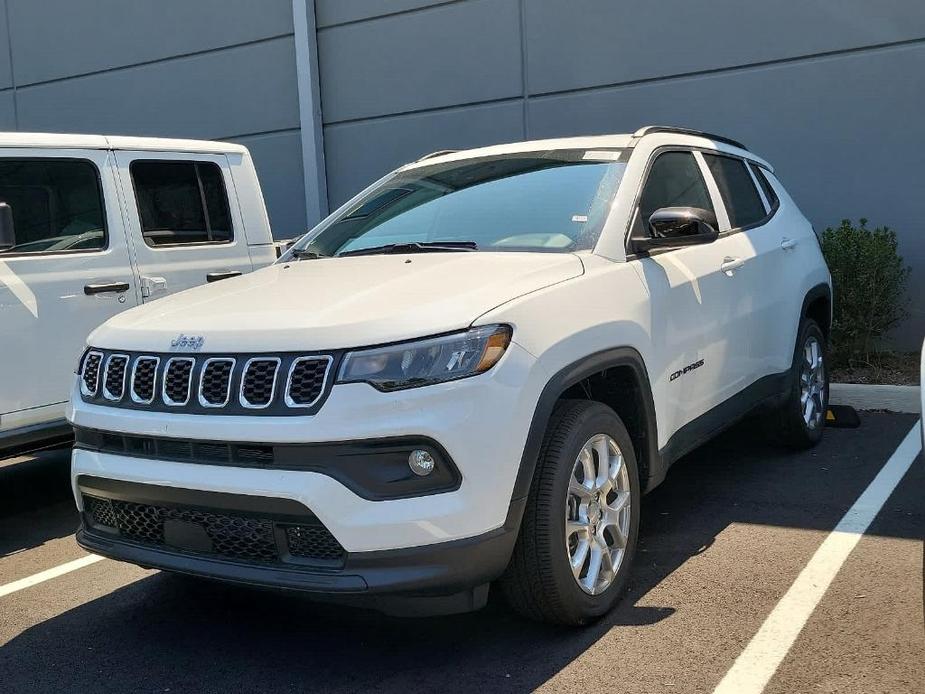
pixel 580 218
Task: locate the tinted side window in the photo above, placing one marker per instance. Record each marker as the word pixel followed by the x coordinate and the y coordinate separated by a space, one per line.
pixel 743 204
pixel 57 205
pixel 674 181
pixel 766 186
pixel 181 202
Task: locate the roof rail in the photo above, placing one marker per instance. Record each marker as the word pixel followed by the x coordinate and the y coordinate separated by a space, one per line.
pixel 438 153
pixel 650 129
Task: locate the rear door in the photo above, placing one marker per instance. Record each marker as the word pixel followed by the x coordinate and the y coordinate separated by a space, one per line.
pixel 185 225
pixel 68 272
pixel 763 282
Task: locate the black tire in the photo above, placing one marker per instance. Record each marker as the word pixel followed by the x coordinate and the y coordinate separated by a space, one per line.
pixel 538 582
pixel 787 424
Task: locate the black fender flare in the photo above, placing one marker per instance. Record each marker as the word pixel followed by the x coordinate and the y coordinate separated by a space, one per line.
pixel 820 291
pixel 562 381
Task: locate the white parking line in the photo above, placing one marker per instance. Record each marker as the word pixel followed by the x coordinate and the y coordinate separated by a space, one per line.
pixel 764 653
pixel 43 576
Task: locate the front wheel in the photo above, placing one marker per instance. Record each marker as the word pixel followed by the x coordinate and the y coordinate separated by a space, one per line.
pixel 799 421
pixel 578 534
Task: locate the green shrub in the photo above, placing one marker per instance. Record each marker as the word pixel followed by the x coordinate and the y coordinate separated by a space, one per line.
pixel 869 281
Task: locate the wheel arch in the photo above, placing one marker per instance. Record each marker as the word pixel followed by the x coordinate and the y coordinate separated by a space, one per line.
pixel 605 377
pixel 817 304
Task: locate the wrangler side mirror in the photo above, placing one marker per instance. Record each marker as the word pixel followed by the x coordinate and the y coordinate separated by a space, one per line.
pixel 673 227
pixel 7 232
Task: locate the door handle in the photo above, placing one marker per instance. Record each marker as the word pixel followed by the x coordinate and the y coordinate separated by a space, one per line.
pixel 118 287
pixel 730 265
pixel 151 285
pixel 787 244
pixel 224 275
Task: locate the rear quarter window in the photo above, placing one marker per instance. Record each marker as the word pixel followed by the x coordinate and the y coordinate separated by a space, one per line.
pixel 769 194
pixel 743 204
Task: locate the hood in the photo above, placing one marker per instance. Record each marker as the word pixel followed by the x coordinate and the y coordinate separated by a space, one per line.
pixel 335 303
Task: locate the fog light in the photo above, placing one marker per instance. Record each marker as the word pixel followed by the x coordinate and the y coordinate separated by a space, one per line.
pixel 421 462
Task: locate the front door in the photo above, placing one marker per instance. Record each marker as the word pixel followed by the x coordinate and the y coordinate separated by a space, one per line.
pixel 185 227
pixel 68 272
pixel 695 294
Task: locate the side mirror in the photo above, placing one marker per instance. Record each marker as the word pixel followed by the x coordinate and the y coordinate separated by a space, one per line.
pixel 673 227
pixel 7 233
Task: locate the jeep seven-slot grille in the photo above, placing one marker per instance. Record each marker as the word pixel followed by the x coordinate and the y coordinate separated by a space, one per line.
pixel 242 537
pixel 114 382
pixel 143 379
pixel 91 373
pixel 259 382
pixel 230 384
pixel 215 384
pixel 306 380
pixel 177 379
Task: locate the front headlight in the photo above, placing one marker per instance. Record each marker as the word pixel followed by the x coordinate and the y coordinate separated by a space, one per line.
pixel 428 361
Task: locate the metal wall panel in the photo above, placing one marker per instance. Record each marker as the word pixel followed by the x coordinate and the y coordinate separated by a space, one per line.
pixel 359 153
pixel 7 118
pixel 585 43
pixel 54 39
pixel 328 12
pixel 6 74
pixel 278 160
pixel 449 55
pixel 237 91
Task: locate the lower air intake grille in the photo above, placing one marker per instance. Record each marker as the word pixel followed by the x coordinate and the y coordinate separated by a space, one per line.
pixel 313 542
pixel 245 538
pixel 100 511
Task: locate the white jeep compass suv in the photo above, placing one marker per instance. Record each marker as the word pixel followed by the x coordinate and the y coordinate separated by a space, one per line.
pixel 468 374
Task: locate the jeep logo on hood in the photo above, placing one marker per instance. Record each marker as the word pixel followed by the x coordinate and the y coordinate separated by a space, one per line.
pixel 187 343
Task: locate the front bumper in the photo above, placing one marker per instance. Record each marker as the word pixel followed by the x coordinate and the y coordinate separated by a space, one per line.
pixel 439 578
pixel 456 537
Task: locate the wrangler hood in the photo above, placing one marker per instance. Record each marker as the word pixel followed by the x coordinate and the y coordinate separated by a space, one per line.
pixel 336 303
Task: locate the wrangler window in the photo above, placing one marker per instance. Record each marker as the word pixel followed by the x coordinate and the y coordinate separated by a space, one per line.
pixel 181 202
pixel 57 205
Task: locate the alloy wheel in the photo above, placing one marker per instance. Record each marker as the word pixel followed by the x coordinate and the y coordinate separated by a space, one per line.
pixel 597 516
pixel 812 383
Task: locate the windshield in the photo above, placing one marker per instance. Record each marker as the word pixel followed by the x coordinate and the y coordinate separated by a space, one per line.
pixel 539 201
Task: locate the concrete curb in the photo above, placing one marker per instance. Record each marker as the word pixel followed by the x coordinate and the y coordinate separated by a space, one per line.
pixel 862 396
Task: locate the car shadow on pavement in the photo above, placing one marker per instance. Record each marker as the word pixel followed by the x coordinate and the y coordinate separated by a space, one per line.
pixel 169 633
pixel 35 500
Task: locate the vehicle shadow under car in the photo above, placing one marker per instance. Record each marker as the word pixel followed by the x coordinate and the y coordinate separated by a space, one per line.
pixel 174 633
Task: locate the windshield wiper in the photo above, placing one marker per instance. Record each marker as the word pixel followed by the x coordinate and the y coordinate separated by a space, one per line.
pixel 305 254
pixel 416 247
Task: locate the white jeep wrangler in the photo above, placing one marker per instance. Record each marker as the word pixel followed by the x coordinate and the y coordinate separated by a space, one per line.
pixel 469 373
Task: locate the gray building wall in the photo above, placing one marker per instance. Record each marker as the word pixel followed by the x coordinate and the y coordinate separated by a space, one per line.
pixel 212 69
pixel 830 92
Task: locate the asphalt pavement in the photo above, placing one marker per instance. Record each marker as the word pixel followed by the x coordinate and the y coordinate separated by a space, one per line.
pixel 722 541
